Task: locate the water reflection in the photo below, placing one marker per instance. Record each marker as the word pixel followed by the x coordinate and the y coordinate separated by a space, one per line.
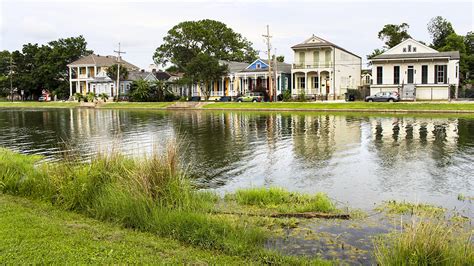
pixel 358 159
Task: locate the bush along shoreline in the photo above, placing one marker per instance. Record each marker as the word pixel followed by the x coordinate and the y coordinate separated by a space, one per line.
pixel 154 195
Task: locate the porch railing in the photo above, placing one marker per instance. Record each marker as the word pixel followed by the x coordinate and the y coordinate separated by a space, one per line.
pixel 309 66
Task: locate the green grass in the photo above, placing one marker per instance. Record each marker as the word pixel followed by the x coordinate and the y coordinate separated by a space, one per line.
pixel 282 201
pixel 35 232
pixel 426 242
pixel 418 106
pixel 58 104
pixel 149 195
pixel 136 105
pixel 402 207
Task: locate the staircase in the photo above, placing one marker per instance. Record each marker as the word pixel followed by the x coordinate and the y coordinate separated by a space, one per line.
pixel 408 92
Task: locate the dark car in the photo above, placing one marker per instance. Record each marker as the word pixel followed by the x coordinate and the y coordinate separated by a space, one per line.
pixel 383 97
pixel 251 97
pixel 224 99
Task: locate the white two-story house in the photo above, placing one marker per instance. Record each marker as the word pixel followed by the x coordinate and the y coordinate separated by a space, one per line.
pixel 416 71
pixel 323 70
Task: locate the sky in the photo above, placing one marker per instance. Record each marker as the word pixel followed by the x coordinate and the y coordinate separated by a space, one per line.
pixel 141 25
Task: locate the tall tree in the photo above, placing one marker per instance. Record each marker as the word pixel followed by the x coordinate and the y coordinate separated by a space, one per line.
pixel 439 29
pixel 112 72
pixel 281 58
pixel 374 54
pixel 189 39
pixel 393 34
pixel 204 70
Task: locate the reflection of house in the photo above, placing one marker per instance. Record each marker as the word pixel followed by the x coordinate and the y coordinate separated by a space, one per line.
pixel 323 69
pixel 243 77
pixel 416 71
pixel 93 69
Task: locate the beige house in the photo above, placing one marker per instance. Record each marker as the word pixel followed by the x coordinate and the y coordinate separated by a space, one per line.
pixel 92 69
pixel 416 71
pixel 323 70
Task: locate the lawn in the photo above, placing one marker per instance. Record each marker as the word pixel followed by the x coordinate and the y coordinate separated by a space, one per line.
pixel 418 106
pixel 35 232
pixel 28 104
pixel 137 105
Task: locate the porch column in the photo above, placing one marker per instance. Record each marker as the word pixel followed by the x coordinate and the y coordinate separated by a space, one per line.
pixel 70 82
pixel 319 82
pixel 293 82
pixel 95 71
pixel 87 72
pixel 306 82
pixel 223 87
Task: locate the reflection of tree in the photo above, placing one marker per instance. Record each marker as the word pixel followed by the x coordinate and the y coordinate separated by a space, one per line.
pixel 216 142
pixel 465 133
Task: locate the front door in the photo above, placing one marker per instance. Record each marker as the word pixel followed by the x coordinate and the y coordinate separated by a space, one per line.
pixel 410 75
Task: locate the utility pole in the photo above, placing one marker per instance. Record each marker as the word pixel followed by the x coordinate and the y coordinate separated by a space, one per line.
pixel 270 82
pixel 117 89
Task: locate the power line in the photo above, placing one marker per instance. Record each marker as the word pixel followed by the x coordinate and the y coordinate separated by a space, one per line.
pixel 270 83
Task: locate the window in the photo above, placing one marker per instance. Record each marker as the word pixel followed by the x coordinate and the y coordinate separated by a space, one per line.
pixel 409 48
pixel 441 74
pixel 302 59
pixel 316 82
pixel 302 83
pixel 316 58
pixel 457 71
pixel 367 79
pixel 258 66
pixel 414 49
pixel 379 75
pixel 396 75
pixel 327 55
pixel 404 50
pixel 424 74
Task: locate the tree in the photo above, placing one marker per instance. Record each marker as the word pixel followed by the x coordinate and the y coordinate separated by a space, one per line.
pixel 439 29
pixel 205 69
pixel 189 39
pixel 140 90
pixel 393 34
pixel 280 58
pixel 374 54
pixel 112 72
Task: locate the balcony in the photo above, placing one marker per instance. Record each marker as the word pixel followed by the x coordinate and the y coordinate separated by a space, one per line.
pixel 312 66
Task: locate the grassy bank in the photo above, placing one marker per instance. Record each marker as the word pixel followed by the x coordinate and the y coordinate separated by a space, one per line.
pixel 35 232
pixel 38 104
pixel 136 105
pixel 360 106
pixel 149 195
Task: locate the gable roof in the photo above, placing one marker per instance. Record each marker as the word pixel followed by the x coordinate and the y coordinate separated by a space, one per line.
pixel 100 61
pixel 450 55
pixel 317 42
pixel 431 50
pixel 234 66
pixel 136 75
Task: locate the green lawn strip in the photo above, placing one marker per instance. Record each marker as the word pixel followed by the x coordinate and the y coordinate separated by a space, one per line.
pixel 38 104
pixel 136 105
pixel 419 106
pixel 36 232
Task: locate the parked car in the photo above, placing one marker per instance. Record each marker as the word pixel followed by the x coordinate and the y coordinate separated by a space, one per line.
pixel 251 97
pixel 384 97
pixel 42 99
pixel 224 99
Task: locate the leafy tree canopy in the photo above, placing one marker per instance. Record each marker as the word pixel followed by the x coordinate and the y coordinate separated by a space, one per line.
pixel 393 34
pixel 280 58
pixel 189 39
pixel 439 29
pixel 205 69
pixel 112 72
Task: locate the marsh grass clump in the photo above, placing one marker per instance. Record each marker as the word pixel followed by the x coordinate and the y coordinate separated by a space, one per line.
pixel 397 207
pixel 283 201
pixel 426 242
pixel 150 194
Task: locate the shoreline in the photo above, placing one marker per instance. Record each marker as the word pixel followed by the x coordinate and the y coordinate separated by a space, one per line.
pixel 359 107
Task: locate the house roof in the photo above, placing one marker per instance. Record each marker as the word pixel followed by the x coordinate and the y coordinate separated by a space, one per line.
pixel 136 75
pixel 234 67
pixel 450 55
pixel 98 60
pixel 312 43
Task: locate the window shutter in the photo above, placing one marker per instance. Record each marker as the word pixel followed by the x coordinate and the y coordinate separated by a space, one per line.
pixel 445 72
pixel 435 74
